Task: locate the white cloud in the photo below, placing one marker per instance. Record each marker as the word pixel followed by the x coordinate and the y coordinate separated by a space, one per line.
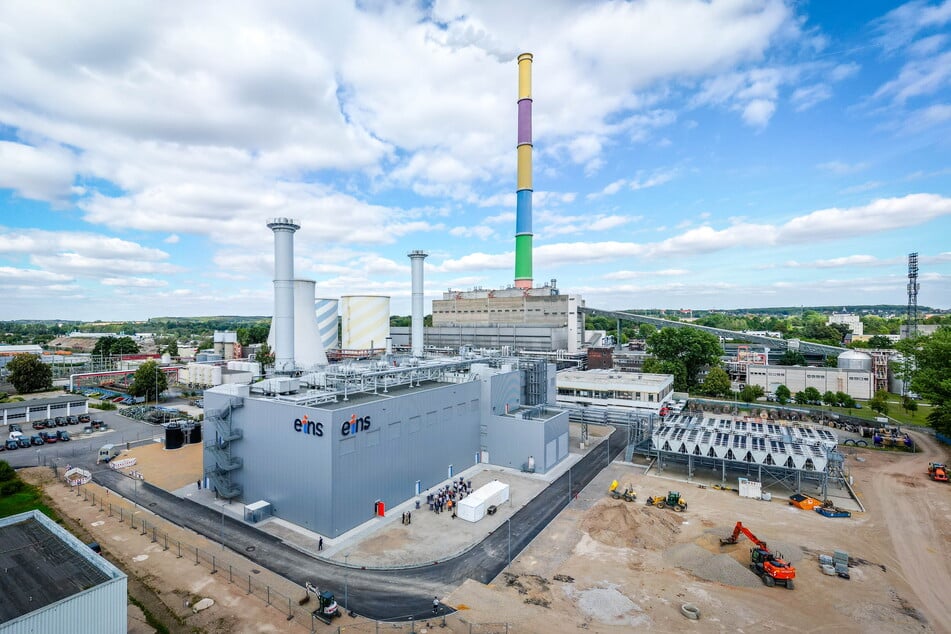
pixel 758 112
pixel 862 187
pixel 42 173
pixel 808 96
pixel 630 275
pixel 38 241
pixel 917 78
pixel 645 180
pixel 845 261
pixel 479 231
pixel 172 239
pixel 92 266
pixel 900 26
pixel 134 282
pixel 842 168
pixel 11 275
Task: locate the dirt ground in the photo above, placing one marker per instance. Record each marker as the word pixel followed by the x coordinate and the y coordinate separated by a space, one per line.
pixel 169 470
pixel 607 565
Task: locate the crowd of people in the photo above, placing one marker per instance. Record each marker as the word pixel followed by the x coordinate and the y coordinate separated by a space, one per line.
pixel 446 498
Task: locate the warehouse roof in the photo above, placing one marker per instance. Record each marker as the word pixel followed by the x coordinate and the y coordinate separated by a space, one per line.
pixel 37 402
pixel 41 567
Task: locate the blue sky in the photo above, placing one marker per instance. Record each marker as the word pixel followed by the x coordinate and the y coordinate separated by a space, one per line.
pixel 715 154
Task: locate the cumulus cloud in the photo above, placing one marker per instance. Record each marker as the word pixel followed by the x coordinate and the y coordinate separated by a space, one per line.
pixel 42 173
pixel 134 282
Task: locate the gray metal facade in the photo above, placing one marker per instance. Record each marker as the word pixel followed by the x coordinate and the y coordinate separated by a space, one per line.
pixel 511 440
pixel 329 482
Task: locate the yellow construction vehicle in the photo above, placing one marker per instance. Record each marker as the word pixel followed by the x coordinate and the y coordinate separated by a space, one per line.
pixel 628 495
pixel 673 500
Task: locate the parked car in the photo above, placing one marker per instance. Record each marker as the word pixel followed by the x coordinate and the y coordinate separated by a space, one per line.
pixel 39 424
pixel 12 444
pixel 84 418
pixel 49 436
pixel 63 435
pixel 37 440
pixel 60 421
pixel 72 420
pixel 15 427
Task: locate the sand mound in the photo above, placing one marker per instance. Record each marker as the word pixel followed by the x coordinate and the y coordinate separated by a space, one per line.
pixel 631 525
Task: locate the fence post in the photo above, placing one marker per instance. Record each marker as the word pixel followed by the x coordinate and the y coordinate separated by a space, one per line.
pixel 196 555
pixel 214 567
pixel 230 577
pixel 166 541
pixel 153 534
pixel 85 495
pixel 269 595
pixel 179 550
pixel 290 614
pixel 143 525
pixel 132 520
pixel 249 584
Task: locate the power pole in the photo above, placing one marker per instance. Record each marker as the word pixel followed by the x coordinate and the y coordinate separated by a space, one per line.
pixel 911 318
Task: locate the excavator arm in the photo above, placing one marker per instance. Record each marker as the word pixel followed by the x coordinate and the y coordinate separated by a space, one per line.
pixel 738 530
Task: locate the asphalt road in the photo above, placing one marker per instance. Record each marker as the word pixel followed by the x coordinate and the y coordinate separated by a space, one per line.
pixel 376 593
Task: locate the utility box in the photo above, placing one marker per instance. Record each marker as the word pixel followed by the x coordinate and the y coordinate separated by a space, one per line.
pixel 474 507
pixel 750 489
pixel 257 511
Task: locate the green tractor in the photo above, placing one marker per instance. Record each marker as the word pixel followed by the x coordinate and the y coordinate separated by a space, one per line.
pixel 673 500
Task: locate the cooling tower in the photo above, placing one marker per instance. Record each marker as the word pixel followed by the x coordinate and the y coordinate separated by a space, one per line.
pixel 327 322
pixel 308 345
pixel 365 320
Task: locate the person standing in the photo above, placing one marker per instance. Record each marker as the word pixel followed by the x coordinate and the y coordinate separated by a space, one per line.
pixel 320 544
pixel 435 605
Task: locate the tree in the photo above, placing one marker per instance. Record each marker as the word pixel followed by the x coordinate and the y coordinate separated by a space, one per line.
pixel 716 383
pixel 695 349
pixel 879 402
pixel 106 346
pixel 172 348
pixel 929 370
pixel 783 394
pixel 812 395
pixel 909 404
pixel 750 393
pixel 792 357
pixel 646 330
pixel 28 373
pixel 828 397
pixel 677 368
pixel 149 381
pixel 264 356
pixel 879 341
pixel 801 398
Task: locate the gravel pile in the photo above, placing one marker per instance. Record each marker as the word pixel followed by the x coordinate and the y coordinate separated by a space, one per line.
pixel 719 568
pixel 725 569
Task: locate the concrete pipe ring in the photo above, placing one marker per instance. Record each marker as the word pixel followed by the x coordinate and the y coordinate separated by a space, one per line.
pixel 690 611
pixel 828 570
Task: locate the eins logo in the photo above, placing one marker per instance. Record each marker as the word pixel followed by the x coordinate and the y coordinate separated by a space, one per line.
pixel 306 426
pixel 354 425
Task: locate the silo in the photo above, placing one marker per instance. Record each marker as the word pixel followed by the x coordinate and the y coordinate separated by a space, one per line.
pixel 366 321
pixel 855 360
pixel 308 350
pixel 327 320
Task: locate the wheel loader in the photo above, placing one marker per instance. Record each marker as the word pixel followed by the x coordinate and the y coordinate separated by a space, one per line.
pixel 673 500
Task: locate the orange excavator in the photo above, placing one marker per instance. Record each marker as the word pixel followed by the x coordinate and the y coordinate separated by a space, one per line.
pixel 771 568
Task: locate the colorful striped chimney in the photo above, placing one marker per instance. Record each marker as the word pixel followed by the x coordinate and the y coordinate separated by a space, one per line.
pixel 523 192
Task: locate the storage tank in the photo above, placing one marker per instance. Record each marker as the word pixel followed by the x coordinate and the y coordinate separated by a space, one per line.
pixel 308 349
pixel 855 360
pixel 174 436
pixel 365 320
pixel 327 320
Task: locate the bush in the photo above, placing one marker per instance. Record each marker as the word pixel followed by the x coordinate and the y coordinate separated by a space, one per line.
pixel 11 487
pixel 105 405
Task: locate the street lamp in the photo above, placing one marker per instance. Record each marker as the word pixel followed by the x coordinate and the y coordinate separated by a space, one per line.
pixel 346 582
pixel 508 522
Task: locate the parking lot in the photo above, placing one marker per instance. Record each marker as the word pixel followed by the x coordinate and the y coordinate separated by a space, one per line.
pixel 82 448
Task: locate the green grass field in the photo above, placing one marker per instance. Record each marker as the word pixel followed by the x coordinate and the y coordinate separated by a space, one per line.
pixel 19 496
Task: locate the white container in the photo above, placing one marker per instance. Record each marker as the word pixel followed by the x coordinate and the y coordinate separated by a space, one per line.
pixel 750 489
pixel 473 508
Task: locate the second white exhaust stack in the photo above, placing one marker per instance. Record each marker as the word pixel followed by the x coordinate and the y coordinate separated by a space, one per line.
pixel 416 332
pixel 283 321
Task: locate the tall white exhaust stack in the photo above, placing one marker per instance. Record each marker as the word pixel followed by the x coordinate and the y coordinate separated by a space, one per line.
pixel 416 259
pixel 283 324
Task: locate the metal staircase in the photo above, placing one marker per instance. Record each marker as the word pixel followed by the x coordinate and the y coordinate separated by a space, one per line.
pixel 219 446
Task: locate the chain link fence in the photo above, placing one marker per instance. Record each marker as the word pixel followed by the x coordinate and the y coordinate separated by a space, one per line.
pixel 297 608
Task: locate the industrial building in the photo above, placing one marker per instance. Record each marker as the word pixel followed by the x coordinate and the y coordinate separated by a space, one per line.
pixel 854 322
pixel 609 388
pixel 52 582
pixel 856 382
pixel 328 446
pixel 42 409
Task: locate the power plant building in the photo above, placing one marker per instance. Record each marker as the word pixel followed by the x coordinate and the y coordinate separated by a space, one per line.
pixel 609 388
pixel 857 383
